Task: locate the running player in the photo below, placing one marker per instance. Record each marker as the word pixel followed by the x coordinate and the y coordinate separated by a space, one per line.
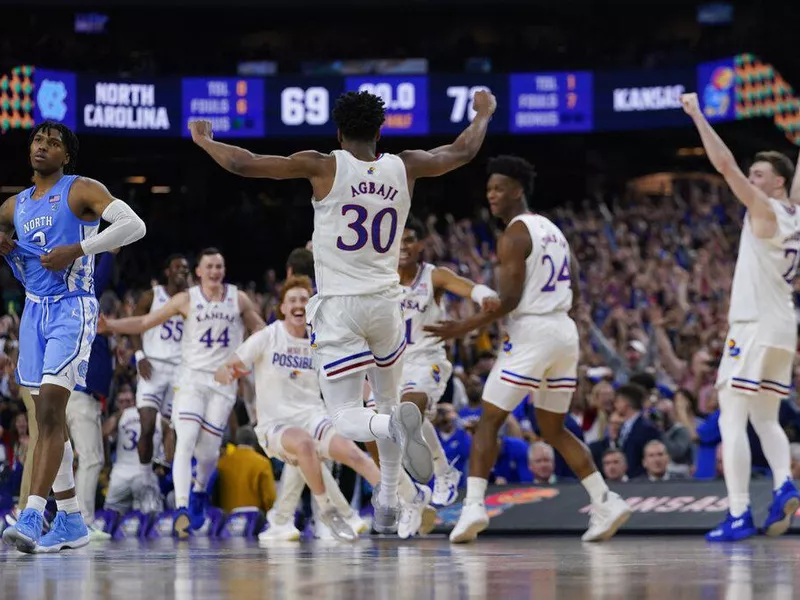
pixel 57 222
pixel 361 200
pixel 293 424
pixel 426 369
pixel 536 278
pixel 215 316
pixel 756 369
pixel 158 354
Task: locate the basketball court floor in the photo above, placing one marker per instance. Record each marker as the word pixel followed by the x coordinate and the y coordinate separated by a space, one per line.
pixel 423 569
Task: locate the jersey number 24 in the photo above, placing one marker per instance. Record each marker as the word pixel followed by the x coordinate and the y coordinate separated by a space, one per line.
pixel 552 280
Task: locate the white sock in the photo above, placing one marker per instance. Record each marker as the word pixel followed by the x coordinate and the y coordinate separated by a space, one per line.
pixel 764 417
pixel 596 487
pixel 36 503
pixel 389 454
pixel 476 490
pixel 406 488
pixel 736 458
pixel 69 506
pixel 65 477
pixel 182 475
pixel 440 464
pixel 323 502
pixel 334 492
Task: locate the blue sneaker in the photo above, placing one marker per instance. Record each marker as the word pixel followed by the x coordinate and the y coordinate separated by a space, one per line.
pixel 27 531
pixel 182 525
pixel 733 529
pixel 197 509
pixel 68 531
pixel 785 502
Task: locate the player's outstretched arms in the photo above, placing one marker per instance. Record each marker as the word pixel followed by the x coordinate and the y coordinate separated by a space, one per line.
pixel 441 160
pixel 177 305
pixel 7 226
pixel 724 162
pixel 308 164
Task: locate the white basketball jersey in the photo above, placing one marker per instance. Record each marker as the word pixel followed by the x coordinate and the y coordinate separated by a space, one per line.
pixel 128 432
pixel 358 226
pixel 163 343
pixel 421 309
pixel 547 276
pixel 765 270
pixel 212 331
pixel 286 382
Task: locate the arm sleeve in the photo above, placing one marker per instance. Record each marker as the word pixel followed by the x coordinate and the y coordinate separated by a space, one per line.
pixel 126 227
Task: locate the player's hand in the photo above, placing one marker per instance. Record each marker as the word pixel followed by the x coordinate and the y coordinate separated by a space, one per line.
pixel 201 130
pixel 691 105
pixel 145 368
pixel 104 325
pixel 490 304
pixel 447 330
pixel 484 103
pixel 6 244
pixel 60 257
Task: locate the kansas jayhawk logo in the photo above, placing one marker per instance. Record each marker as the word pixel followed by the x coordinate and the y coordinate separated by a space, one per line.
pixel 507 344
pixel 436 373
pixel 733 350
pixel 294 374
pixel 313 340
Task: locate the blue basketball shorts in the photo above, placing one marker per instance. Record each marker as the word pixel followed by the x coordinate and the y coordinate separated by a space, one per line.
pixel 55 341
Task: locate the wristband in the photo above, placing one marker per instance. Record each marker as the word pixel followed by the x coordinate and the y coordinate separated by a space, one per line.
pixel 481 292
pixel 139 355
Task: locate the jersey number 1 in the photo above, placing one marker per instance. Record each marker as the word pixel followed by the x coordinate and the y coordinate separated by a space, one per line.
pixel 222 340
pixel 563 273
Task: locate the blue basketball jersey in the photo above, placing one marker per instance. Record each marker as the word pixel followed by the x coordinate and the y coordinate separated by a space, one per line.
pixel 41 225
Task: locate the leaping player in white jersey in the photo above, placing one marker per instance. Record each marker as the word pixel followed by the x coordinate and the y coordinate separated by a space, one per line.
pixel 293 424
pixel 756 369
pixel 158 354
pixel 215 316
pixel 361 202
pixel 537 275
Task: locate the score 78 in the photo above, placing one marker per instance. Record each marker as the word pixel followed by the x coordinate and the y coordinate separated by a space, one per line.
pixel 462 101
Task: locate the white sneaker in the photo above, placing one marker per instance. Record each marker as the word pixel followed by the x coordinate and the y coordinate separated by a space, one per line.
pixel 97 535
pixel 606 518
pixel 428 520
pixel 357 524
pixel 411 513
pixel 405 426
pixel 472 521
pixel 284 533
pixel 445 488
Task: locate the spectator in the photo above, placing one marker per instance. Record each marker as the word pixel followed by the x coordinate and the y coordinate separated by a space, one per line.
pixel 595 417
pixel 794 449
pixel 455 441
pixel 636 429
pixel 676 438
pixel 611 439
pixel 615 466
pixel 542 463
pixel 656 463
pixel 244 476
pixel 512 462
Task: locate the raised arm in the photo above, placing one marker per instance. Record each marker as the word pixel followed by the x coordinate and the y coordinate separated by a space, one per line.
pixel 252 320
pixel 724 162
pixel 177 305
pixel 308 164
pixel 424 163
pixel 445 279
pixel 512 250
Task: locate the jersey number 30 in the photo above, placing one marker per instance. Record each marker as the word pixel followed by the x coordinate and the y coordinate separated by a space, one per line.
pixel 223 339
pixel 362 235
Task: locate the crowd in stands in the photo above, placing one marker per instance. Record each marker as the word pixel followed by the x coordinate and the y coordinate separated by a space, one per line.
pixel 656 275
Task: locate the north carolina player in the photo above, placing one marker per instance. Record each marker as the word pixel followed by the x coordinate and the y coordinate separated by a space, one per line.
pixel 215 316
pixel 536 278
pixel 126 488
pixel 57 222
pixel 158 354
pixel 293 424
pixel 756 369
pixel 426 369
pixel 361 200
